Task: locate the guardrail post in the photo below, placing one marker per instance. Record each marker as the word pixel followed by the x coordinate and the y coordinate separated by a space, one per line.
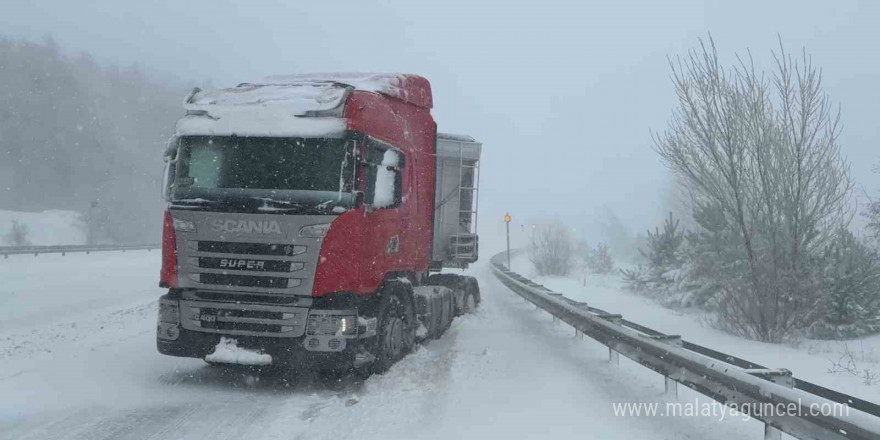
pixel 671 387
pixel 613 356
pixel 779 376
pixel 771 433
pixel 782 377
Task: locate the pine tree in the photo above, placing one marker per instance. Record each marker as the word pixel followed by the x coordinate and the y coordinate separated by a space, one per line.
pixel 601 261
pixel 850 283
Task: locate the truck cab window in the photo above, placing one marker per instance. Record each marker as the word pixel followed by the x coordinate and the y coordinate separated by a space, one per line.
pixel 383 175
pixel 204 164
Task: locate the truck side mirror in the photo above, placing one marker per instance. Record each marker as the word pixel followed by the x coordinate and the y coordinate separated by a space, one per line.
pixel 170 158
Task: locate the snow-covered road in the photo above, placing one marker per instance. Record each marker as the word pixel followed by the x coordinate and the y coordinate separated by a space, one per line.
pixel 78 361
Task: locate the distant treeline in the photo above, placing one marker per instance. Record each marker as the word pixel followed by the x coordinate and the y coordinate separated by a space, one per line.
pixel 73 132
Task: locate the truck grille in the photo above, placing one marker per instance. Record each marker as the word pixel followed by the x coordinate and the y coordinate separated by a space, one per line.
pixel 249 264
pixel 243 319
pixel 242 326
pixel 249 298
pixel 256 266
pixel 238 313
pixel 246 266
pixel 248 281
pixel 225 247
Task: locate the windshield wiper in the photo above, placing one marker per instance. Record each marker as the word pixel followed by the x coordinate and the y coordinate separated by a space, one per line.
pixel 326 206
pixel 278 205
pixel 194 203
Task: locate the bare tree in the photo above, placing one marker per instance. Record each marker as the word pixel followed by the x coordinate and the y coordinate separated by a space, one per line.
pixel 552 249
pixel 764 152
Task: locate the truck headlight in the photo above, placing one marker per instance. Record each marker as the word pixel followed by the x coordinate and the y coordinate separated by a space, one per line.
pixel 314 231
pixel 332 325
pixel 183 225
pixel 169 312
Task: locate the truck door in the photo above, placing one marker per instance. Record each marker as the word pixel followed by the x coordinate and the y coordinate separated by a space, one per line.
pixel 384 198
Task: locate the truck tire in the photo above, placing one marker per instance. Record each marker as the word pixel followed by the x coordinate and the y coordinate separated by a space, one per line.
pixel 396 333
pixel 467 291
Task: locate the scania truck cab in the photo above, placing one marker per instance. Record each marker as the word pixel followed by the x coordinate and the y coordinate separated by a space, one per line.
pixel 308 219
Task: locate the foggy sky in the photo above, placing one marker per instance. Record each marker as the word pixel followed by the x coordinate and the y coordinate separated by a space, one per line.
pixel 562 94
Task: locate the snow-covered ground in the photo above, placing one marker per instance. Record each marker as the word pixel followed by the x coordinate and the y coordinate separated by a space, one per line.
pixel 52 227
pixel 78 361
pixel 810 360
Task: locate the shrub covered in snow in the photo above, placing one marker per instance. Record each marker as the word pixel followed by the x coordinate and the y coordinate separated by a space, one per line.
pixel 552 249
pixel 17 235
pixel 597 259
pixel 663 256
pixel 600 260
pixel 842 282
pixel 45 228
pixel 850 280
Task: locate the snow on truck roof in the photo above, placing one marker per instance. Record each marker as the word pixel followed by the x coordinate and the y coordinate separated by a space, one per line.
pixel 274 106
pixel 409 88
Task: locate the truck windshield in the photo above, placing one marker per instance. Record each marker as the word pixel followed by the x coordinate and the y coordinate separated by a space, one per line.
pixel 275 172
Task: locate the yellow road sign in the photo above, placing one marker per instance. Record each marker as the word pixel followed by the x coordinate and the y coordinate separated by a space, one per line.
pixel 506 218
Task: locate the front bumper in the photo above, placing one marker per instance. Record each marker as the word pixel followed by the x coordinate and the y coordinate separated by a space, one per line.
pixel 180 333
pixel 287 352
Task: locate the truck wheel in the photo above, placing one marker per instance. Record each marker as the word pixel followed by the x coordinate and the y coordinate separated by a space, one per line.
pixel 397 326
pixel 454 282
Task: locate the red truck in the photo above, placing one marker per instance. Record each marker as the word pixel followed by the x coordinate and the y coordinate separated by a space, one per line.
pixel 308 219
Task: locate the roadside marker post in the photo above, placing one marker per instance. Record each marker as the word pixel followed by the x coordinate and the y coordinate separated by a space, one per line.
pixel 507 223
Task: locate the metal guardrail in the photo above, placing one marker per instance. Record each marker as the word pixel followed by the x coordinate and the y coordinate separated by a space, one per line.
pixel 722 377
pixel 6 251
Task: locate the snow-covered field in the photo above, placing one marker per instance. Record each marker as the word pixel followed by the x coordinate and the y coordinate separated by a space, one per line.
pixel 78 361
pixel 46 228
pixel 810 360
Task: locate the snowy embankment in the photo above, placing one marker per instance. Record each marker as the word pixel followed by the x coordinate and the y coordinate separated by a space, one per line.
pixel 40 290
pixel 78 360
pixel 816 361
pixel 52 227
